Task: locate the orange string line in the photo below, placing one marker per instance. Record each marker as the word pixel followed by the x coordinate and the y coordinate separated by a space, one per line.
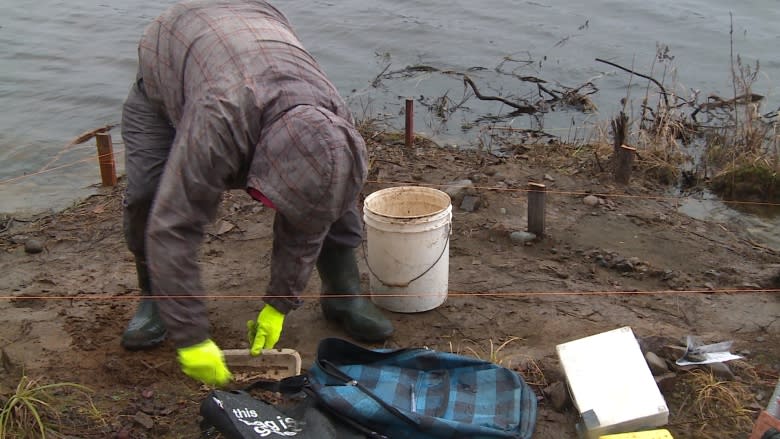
pixel 67 165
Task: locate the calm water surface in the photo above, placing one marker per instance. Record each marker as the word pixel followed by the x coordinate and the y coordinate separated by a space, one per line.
pixel 65 66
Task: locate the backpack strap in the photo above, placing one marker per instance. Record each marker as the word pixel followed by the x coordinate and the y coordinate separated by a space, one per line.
pixel 286 386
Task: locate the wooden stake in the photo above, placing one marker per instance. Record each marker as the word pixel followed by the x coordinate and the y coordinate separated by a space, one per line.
pixel 619 133
pixel 106 158
pixel 409 140
pixel 624 163
pixel 536 204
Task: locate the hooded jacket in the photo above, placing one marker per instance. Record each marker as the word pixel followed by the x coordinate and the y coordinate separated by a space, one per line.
pixel 251 109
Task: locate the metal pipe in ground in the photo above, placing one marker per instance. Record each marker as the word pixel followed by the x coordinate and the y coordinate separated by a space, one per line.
pixel 537 195
pixel 409 139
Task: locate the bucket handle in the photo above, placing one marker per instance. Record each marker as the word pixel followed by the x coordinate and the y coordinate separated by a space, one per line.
pixel 404 285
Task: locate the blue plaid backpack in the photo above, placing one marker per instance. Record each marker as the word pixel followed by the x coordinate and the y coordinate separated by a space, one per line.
pixel 411 393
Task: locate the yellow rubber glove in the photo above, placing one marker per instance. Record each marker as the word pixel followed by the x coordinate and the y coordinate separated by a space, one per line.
pixel 205 363
pixel 265 332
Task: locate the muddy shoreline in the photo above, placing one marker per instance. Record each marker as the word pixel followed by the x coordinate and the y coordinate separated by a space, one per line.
pixel 627 259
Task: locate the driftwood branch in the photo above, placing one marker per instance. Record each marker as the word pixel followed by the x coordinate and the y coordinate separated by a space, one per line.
pixel 375 83
pixel 519 108
pixel 650 78
pixel 718 102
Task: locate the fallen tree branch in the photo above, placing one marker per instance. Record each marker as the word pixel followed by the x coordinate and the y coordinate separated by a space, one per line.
pixel 663 90
pixel 375 83
pixel 718 102
pixel 519 108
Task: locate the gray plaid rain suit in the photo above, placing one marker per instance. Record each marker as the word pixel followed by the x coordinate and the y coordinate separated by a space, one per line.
pixel 227 98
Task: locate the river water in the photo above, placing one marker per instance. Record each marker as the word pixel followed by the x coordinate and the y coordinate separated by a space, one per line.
pixel 66 65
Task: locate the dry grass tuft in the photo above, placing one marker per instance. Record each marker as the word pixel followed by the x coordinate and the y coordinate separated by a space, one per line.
pixel 714 408
pixel 29 411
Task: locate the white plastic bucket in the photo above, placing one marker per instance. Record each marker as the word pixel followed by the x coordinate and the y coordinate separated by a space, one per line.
pixel 408 245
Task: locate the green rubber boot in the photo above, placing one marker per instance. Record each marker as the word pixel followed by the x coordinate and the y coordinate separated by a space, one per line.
pixel 146 329
pixel 359 317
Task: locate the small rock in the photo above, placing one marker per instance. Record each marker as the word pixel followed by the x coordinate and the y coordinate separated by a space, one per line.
pixel 558 395
pixel 760 339
pixel 148 393
pixel 624 266
pixel 709 285
pixel 33 246
pixel 591 200
pixel 503 211
pixel 470 203
pixel 478 178
pixel 144 420
pixel 673 353
pixel 224 227
pixel 521 237
pixel 548 177
pixel 657 364
pixel 721 371
pixel 712 273
pixel 456 187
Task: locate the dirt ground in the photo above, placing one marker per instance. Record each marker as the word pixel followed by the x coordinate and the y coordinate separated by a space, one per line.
pixel 630 260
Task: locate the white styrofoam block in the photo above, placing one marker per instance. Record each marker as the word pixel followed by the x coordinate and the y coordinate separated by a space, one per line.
pixel 608 377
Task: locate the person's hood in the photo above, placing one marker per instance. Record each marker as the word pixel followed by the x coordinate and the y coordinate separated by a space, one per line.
pixel 311 164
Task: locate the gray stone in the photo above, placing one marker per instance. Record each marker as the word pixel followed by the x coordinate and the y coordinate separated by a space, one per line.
pixel 712 273
pixel 470 203
pixel 33 246
pixel 657 364
pixel 624 266
pixel 721 371
pixel 457 187
pixel 672 352
pixel 591 200
pixel 558 395
pixel 549 177
pixel 478 178
pixel 503 211
pixel 521 237
pixel 144 420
